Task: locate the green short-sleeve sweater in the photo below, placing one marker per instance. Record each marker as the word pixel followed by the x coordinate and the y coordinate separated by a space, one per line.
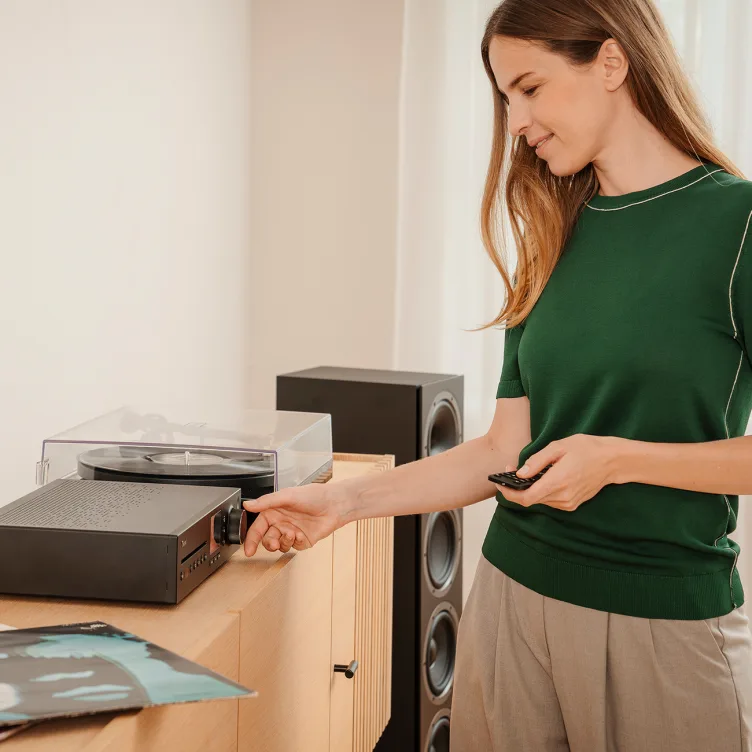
pixel 643 331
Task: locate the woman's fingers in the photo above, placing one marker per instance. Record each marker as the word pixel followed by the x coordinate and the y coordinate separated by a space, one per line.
pixel 301 541
pixel 271 538
pixel 255 534
pixel 287 536
pixel 281 537
pixel 286 541
pixel 275 531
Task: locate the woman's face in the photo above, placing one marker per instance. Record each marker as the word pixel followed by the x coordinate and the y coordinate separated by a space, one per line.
pixel 574 106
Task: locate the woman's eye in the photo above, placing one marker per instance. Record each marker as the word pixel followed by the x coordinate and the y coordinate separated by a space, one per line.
pixel 529 91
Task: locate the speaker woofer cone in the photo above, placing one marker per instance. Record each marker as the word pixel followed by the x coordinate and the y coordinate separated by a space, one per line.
pixel 443 429
pixel 439 648
pixel 442 550
pixel 437 739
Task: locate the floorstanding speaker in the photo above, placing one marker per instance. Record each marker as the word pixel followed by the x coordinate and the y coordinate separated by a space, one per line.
pixel 409 415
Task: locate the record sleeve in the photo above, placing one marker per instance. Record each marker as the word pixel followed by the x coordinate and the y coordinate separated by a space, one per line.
pixel 93 667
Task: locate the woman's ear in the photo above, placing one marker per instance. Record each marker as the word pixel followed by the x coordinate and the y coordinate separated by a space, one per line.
pixel 615 64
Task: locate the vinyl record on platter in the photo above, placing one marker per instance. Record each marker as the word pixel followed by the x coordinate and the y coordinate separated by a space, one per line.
pixel 251 472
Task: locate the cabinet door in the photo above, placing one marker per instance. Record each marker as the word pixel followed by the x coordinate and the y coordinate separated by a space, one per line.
pixel 344 563
pixel 285 654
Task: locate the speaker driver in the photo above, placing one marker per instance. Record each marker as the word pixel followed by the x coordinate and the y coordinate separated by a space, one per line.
pixel 437 739
pixel 441 550
pixel 439 649
pixel 443 427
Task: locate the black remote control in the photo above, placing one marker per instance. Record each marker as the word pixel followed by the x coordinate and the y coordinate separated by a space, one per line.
pixel 510 479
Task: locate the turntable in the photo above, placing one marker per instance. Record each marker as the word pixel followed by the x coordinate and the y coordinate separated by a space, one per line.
pixel 135 506
pixel 257 451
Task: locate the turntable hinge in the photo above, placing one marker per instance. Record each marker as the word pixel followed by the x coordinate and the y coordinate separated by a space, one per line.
pixel 43 467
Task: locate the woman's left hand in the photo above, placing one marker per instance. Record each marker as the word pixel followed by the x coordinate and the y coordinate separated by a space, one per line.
pixel 582 465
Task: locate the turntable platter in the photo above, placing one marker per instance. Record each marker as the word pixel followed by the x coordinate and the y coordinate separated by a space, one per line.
pixel 251 472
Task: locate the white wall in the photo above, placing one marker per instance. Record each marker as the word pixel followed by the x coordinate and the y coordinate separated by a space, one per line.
pixel 125 181
pixel 325 78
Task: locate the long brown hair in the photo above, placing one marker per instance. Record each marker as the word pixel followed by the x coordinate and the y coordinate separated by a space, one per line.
pixel 543 208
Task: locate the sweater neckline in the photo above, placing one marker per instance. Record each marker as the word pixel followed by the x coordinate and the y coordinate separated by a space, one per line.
pixel 685 180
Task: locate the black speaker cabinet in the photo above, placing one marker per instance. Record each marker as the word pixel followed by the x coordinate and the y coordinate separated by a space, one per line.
pixel 409 415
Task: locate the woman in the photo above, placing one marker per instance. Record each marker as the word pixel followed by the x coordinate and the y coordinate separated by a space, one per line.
pixel 607 609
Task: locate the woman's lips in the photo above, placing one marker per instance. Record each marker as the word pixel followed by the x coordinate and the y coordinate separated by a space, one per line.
pixel 543 143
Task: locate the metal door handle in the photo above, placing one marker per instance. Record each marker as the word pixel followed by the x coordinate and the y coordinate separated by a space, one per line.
pixel 348 671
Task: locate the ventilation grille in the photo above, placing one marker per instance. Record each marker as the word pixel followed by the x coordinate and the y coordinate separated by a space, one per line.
pixel 84 505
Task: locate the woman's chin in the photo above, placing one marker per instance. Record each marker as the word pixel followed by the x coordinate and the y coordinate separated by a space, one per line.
pixel 561 167
pixel 554 166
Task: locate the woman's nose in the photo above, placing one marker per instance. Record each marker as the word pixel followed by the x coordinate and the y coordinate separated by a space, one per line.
pixel 518 122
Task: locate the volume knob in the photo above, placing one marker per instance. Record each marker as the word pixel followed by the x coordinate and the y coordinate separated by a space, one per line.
pixel 237 526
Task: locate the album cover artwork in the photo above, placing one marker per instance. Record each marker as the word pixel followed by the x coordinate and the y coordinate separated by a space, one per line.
pixel 93 667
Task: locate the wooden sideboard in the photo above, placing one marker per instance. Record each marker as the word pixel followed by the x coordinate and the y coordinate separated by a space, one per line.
pixel 277 623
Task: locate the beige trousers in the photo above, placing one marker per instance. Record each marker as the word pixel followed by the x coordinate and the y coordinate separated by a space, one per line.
pixel 535 674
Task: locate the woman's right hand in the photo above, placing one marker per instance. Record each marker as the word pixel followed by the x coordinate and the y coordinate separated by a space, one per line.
pixel 296 517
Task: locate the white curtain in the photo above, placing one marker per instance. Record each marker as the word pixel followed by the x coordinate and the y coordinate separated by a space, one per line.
pixel 445 282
